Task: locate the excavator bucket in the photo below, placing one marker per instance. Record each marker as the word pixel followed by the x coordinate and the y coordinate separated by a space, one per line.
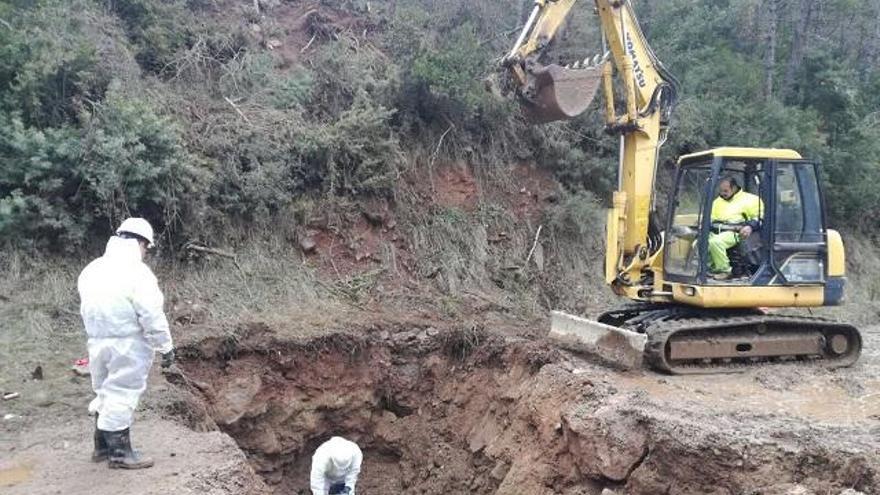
pixel 613 345
pixel 560 93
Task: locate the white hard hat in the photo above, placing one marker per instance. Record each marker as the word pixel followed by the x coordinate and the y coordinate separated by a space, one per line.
pixel 341 453
pixel 341 460
pixel 139 227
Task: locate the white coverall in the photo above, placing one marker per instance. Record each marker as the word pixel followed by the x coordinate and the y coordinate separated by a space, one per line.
pixel 122 310
pixel 336 461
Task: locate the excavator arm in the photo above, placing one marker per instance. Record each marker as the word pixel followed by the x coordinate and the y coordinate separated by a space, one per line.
pixel 554 92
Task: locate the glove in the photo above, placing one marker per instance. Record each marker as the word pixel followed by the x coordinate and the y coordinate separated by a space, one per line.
pixel 167 359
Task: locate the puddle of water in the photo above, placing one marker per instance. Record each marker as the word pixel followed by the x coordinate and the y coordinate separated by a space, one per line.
pixel 821 401
pixel 15 474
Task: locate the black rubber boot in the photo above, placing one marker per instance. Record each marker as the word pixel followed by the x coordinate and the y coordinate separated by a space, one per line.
pixel 101 452
pixel 122 456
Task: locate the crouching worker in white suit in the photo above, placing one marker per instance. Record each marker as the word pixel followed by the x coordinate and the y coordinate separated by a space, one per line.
pixel 335 467
pixel 122 310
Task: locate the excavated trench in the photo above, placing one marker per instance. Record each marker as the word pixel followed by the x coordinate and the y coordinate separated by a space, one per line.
pixel 465 411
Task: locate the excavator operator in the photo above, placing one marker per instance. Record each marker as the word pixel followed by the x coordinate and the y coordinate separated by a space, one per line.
pixel 741 212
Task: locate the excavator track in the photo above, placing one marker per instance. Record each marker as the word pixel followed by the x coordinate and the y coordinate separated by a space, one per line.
pixel 683 340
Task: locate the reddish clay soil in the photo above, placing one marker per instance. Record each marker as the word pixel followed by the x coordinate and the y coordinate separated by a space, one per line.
pixel 355 240
pixel 462 410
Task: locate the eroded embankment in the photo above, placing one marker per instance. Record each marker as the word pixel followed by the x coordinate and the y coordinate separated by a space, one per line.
pixel 464 411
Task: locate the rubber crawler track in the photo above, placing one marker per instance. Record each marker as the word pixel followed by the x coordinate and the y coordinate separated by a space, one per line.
pixel 664 325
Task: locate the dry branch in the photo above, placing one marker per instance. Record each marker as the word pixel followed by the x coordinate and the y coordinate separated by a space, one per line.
pixel 204 249
pixel 534 245
pixel 309 43
pixel 434 154
pixel 238 110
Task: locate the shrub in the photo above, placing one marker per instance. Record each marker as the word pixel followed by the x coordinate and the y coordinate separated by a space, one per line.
pixel 157 29
pixel 356 154
pixel 50 63
pixel 37 176
pixel 59 184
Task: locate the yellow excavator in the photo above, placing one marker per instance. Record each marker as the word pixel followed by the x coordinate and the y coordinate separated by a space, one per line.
pixel 684 317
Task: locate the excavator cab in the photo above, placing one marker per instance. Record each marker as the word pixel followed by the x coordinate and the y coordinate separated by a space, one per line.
pixel 789 244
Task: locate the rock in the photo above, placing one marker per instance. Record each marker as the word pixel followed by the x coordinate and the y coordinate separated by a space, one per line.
pixel 484 432
pixel 606 443
pixel 273 477
pixel 37 374
pixel 499 471
pixel 308 245
pixel 235 398
pixel 80 370
pixel 375 218
pixel 43 399
pixel 188 313
pixel 608 491
pixel 263 439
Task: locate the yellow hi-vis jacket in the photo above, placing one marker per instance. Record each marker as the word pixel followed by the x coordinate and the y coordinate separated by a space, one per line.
pixel 743 207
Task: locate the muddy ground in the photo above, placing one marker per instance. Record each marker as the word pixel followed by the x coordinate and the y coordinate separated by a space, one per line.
pixel 440 408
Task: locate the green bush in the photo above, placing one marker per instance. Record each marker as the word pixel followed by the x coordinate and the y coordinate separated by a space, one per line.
pixel 50 63
pixel 157 29
pixel 342 71
pixel 59 184
pixel 452 72
pixel 356 154
pixel 134 162
pixel 37 177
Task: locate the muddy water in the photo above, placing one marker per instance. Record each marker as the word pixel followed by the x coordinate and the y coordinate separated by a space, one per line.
pixel 812 398
pixel 15 474
pixel 844 397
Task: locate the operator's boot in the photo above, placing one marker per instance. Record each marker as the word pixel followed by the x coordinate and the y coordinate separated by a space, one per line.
pixel 122 456
pixel 101 452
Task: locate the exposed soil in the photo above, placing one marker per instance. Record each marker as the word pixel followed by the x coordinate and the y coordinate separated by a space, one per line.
pixel 465 411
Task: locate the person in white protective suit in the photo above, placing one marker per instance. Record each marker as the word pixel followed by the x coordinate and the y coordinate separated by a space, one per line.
pixel 335 467
pixel 122 310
